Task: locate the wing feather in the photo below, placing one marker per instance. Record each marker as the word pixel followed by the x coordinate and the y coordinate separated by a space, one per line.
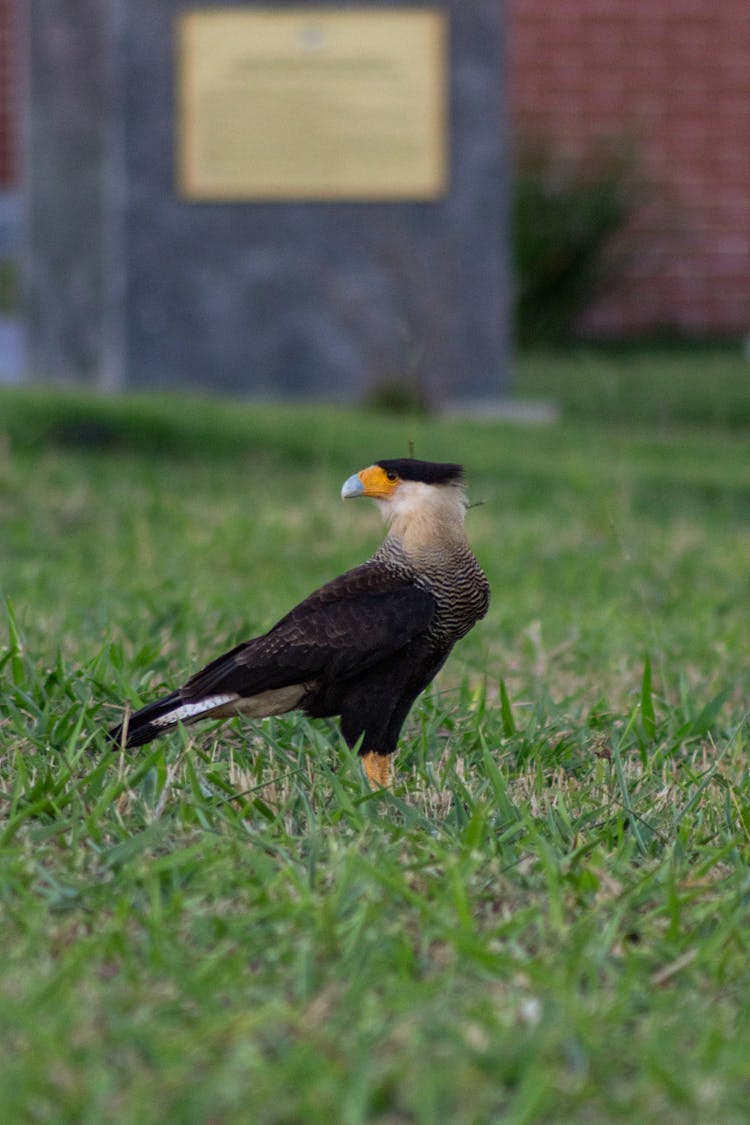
pixel 345 627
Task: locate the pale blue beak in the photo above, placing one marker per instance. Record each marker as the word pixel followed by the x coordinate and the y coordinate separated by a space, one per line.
pixel 352 487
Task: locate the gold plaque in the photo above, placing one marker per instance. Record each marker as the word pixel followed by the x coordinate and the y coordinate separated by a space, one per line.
pixel 312 104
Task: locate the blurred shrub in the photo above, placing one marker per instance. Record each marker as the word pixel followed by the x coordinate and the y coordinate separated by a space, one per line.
pixel 398 394
pixel 566 214
pixel 8 287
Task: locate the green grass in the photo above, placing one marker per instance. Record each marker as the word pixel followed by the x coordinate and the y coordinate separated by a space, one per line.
pixel 545 921
pixel 690 385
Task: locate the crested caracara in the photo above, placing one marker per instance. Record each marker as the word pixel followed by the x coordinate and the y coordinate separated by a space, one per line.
pixel 364 645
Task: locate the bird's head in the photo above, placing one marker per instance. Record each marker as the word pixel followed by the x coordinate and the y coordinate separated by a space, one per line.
pixel 410 492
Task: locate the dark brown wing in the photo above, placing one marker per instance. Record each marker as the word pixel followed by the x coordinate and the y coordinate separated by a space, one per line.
pixel 341 630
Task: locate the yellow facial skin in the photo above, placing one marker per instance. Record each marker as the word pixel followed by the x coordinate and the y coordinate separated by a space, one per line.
pixel 373 482
pixel 377 483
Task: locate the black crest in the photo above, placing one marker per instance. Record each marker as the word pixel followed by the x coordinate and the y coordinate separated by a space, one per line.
pixel 429 472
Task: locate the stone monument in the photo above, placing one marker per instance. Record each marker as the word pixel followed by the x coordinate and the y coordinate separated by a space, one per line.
pixel 279 199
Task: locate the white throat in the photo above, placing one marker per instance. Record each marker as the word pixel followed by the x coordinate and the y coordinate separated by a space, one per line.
pixel 423 516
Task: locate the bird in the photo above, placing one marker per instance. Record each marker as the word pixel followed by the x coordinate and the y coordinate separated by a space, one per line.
pixel 366 644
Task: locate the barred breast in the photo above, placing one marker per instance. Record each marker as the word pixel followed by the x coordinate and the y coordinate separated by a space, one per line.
pixel 456 581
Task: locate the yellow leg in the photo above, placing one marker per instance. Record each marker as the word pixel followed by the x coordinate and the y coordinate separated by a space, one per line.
pixel 378 769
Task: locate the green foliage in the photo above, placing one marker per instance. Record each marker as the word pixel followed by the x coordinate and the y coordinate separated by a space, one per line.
pixel 544 921
pixel 566 214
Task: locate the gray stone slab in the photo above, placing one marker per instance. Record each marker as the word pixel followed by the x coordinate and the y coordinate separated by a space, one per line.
pixel 131 285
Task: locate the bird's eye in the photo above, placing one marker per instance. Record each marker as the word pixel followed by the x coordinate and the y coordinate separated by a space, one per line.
pixel 391 475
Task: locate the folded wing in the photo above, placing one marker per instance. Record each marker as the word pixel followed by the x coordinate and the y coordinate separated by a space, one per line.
pixel 346 627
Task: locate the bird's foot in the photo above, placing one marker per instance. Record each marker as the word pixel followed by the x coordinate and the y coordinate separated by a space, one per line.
pixel 377 769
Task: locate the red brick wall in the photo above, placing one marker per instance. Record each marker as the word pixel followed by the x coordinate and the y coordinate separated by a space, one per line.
pixel 9 89
pixel 674 77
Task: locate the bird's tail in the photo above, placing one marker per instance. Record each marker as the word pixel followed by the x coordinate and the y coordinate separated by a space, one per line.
pixel 148 723
pixel 164 715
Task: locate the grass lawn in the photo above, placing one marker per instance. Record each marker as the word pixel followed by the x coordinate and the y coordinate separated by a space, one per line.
pixel 545 921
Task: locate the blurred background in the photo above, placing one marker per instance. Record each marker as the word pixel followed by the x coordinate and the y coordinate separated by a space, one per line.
pixel 629 180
